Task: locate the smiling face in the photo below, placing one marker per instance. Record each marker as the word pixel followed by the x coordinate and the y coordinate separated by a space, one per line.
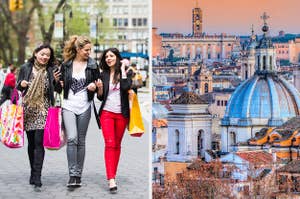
pixel 84 53
pixel 110 59
pixel 43 56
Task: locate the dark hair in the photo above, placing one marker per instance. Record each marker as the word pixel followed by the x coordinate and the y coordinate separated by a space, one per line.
pixel 13 69
pixel 105 67
pixel 51 61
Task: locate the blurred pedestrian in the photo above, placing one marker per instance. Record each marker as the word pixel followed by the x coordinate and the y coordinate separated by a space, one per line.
pixel 78 75
pixel 36 81
pixel 137 81
pixel 2 76
pixel 9 85
pixel 114 111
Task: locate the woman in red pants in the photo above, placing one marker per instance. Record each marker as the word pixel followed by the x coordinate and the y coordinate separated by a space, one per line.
pixel 113 89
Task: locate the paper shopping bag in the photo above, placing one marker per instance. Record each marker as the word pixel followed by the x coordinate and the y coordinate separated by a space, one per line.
pixel 54 136
pixel 136 125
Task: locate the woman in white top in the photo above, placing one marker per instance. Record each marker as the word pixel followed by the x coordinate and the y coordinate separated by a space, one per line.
pixel 114 111
pixel 79 74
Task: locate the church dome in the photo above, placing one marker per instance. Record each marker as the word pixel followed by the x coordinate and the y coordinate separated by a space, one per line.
pixel 264 99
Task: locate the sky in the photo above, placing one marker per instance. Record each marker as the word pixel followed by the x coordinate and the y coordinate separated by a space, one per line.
pixel 227 16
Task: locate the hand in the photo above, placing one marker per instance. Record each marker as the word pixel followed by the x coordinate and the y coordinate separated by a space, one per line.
pixel 24 83
pixel 92 86
pixel 56 75
pixel 125 62
pixel 99 84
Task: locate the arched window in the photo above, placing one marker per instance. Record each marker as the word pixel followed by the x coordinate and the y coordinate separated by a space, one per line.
pixel 177 142
pixel 196 86
pixel 264 63
pixel 154 135
pixel 271 63
pixel 206 88
pixel 200 141
pixel 232 138
pixel 258 62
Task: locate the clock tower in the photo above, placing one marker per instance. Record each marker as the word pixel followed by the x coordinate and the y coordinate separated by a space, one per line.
pixel 197 21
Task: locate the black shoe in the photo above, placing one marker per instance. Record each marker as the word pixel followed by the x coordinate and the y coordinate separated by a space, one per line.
pixel 78 181
pixel 38 187
pixel 72 182
pixel 37 181
pixel 113 190
pixel 113 186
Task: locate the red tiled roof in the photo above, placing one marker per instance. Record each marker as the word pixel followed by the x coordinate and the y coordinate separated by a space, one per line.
pixel 256 157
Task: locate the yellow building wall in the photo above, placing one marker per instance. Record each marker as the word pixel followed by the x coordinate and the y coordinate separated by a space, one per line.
pixel 173 168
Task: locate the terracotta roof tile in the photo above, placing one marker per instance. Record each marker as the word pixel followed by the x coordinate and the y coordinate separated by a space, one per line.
pixel 256 157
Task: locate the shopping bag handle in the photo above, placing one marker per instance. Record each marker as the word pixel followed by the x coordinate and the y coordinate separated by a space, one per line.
pixel 15 96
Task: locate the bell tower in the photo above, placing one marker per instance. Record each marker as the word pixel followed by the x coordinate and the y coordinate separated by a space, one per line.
pixel 197 20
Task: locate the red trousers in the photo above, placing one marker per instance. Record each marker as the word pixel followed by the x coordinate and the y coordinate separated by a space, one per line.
pixel 113 127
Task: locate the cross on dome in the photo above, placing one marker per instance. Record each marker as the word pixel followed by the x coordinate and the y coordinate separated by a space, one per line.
pixel 265 17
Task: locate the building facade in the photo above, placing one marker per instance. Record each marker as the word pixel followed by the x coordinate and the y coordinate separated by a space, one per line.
pixel 189 128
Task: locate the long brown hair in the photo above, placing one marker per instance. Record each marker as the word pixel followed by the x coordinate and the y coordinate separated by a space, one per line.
pixel 105 67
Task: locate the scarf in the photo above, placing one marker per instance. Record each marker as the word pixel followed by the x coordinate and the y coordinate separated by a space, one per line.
pixel 35 94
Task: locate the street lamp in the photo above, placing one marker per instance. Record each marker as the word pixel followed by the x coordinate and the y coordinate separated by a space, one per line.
pixel 97 45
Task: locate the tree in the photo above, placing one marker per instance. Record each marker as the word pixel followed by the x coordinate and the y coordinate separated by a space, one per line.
pixel 18 23
pixel 6 50
pixel 43 19
pixel 200 180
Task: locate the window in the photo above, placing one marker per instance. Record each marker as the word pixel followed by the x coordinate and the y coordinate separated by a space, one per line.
pixel 200 141
pixel 120 22
pixel 177 142
pixel 139 22
pixel 225 102
pixel 271 62
pixel 115 22
pixel 125 22
pixel 232 138
pixel 206 88
pixel 264 63
pixel 134 22
pixel 145 22
pixel 218 103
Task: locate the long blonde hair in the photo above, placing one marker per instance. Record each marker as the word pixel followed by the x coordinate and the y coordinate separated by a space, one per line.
pixel 73 43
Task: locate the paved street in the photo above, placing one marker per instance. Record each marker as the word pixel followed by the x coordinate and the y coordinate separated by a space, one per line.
pixel 132 178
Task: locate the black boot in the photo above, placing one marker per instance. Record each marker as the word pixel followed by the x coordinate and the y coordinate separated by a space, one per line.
pixel 72 182
pixel 78 181
pixel 31 181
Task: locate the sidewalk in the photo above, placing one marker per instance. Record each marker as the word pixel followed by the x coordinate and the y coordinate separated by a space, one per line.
pixel 133 173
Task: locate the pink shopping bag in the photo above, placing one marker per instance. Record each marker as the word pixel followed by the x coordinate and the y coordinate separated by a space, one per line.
pixel 11 125
pixel 54 137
